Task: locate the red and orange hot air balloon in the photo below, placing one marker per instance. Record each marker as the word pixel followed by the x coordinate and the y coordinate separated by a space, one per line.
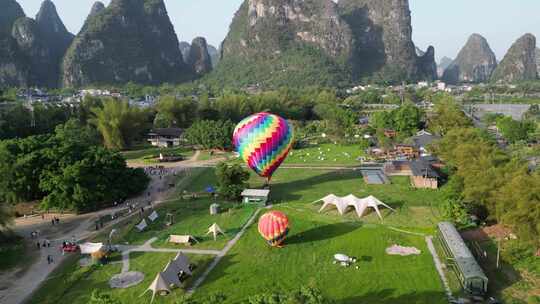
pixel 273 227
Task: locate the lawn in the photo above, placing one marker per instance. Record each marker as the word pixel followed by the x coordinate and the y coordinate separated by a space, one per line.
pixel 191 217
pixel 207 155
pixel 326 155
pixel 149 154
pixel 307 260
pixel 252 268
pixel 78 283
pixel 323 155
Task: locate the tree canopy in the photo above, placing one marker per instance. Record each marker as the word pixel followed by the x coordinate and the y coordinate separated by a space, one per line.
pixel 211 134
pixel 232 180
pixel 66 170
pixel 119 123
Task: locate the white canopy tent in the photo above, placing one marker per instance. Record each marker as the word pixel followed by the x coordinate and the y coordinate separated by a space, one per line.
pixel 359 204
pixel 215 230
pixel 89 248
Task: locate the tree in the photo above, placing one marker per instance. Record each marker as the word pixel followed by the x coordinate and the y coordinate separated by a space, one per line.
pixel 407 119
pixel 305 295
pixel 447 116
pixel 119 123
pixel 173 112
pixel 455 211
pixel 231 180
pixel 513 130
pixel 21 163
pixel 339 121
pixel 98 297
pixel 85 108
pixel 211 134
pixel 518 203
pixel 67 170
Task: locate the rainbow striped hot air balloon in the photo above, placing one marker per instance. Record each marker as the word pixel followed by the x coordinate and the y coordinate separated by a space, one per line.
pixel 273 227
pixel 263 141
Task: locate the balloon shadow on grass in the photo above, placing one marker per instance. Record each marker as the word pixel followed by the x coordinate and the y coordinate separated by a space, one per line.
pixel 287 191
pixel 322 233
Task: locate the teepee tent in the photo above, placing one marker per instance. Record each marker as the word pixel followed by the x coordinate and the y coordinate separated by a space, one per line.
pixel 159 285
pixel 215 230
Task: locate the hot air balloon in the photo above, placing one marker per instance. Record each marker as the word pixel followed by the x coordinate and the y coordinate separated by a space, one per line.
pixel 263 141
pixel 273 227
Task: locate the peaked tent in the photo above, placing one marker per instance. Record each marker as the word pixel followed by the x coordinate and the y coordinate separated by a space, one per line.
pixel 333 200
pixel 373 202
pixel 159 285
pixel 360 205
pixel 215 230
pixel 182 239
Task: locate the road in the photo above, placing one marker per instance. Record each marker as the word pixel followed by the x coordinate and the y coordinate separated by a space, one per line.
pixel 17 285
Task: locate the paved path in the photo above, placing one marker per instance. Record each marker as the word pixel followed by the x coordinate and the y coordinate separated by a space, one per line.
pixel 19 286
pixel 147 247
pixel 439 266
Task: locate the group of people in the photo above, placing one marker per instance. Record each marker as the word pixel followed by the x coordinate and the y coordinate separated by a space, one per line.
pixel 46 244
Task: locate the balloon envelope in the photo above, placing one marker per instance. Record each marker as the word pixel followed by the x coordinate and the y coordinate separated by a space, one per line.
pixel 263 141
pixel 274 227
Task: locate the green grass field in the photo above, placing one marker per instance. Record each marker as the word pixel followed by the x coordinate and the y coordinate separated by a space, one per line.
pixel 206 155
pixel 148 153
pixel 325 155
pixel 190 218
pixel 73 284
pixel 253 268
pixel 307 260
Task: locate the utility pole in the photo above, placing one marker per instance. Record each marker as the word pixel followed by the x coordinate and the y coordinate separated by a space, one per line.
pixel 498 253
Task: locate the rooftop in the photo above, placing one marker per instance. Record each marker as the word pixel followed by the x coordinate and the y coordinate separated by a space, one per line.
pixel 256 192
pixel 461 253
pixel 174 132
pixel 423 168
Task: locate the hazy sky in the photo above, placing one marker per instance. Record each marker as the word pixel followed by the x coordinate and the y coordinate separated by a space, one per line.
pixel 444 24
